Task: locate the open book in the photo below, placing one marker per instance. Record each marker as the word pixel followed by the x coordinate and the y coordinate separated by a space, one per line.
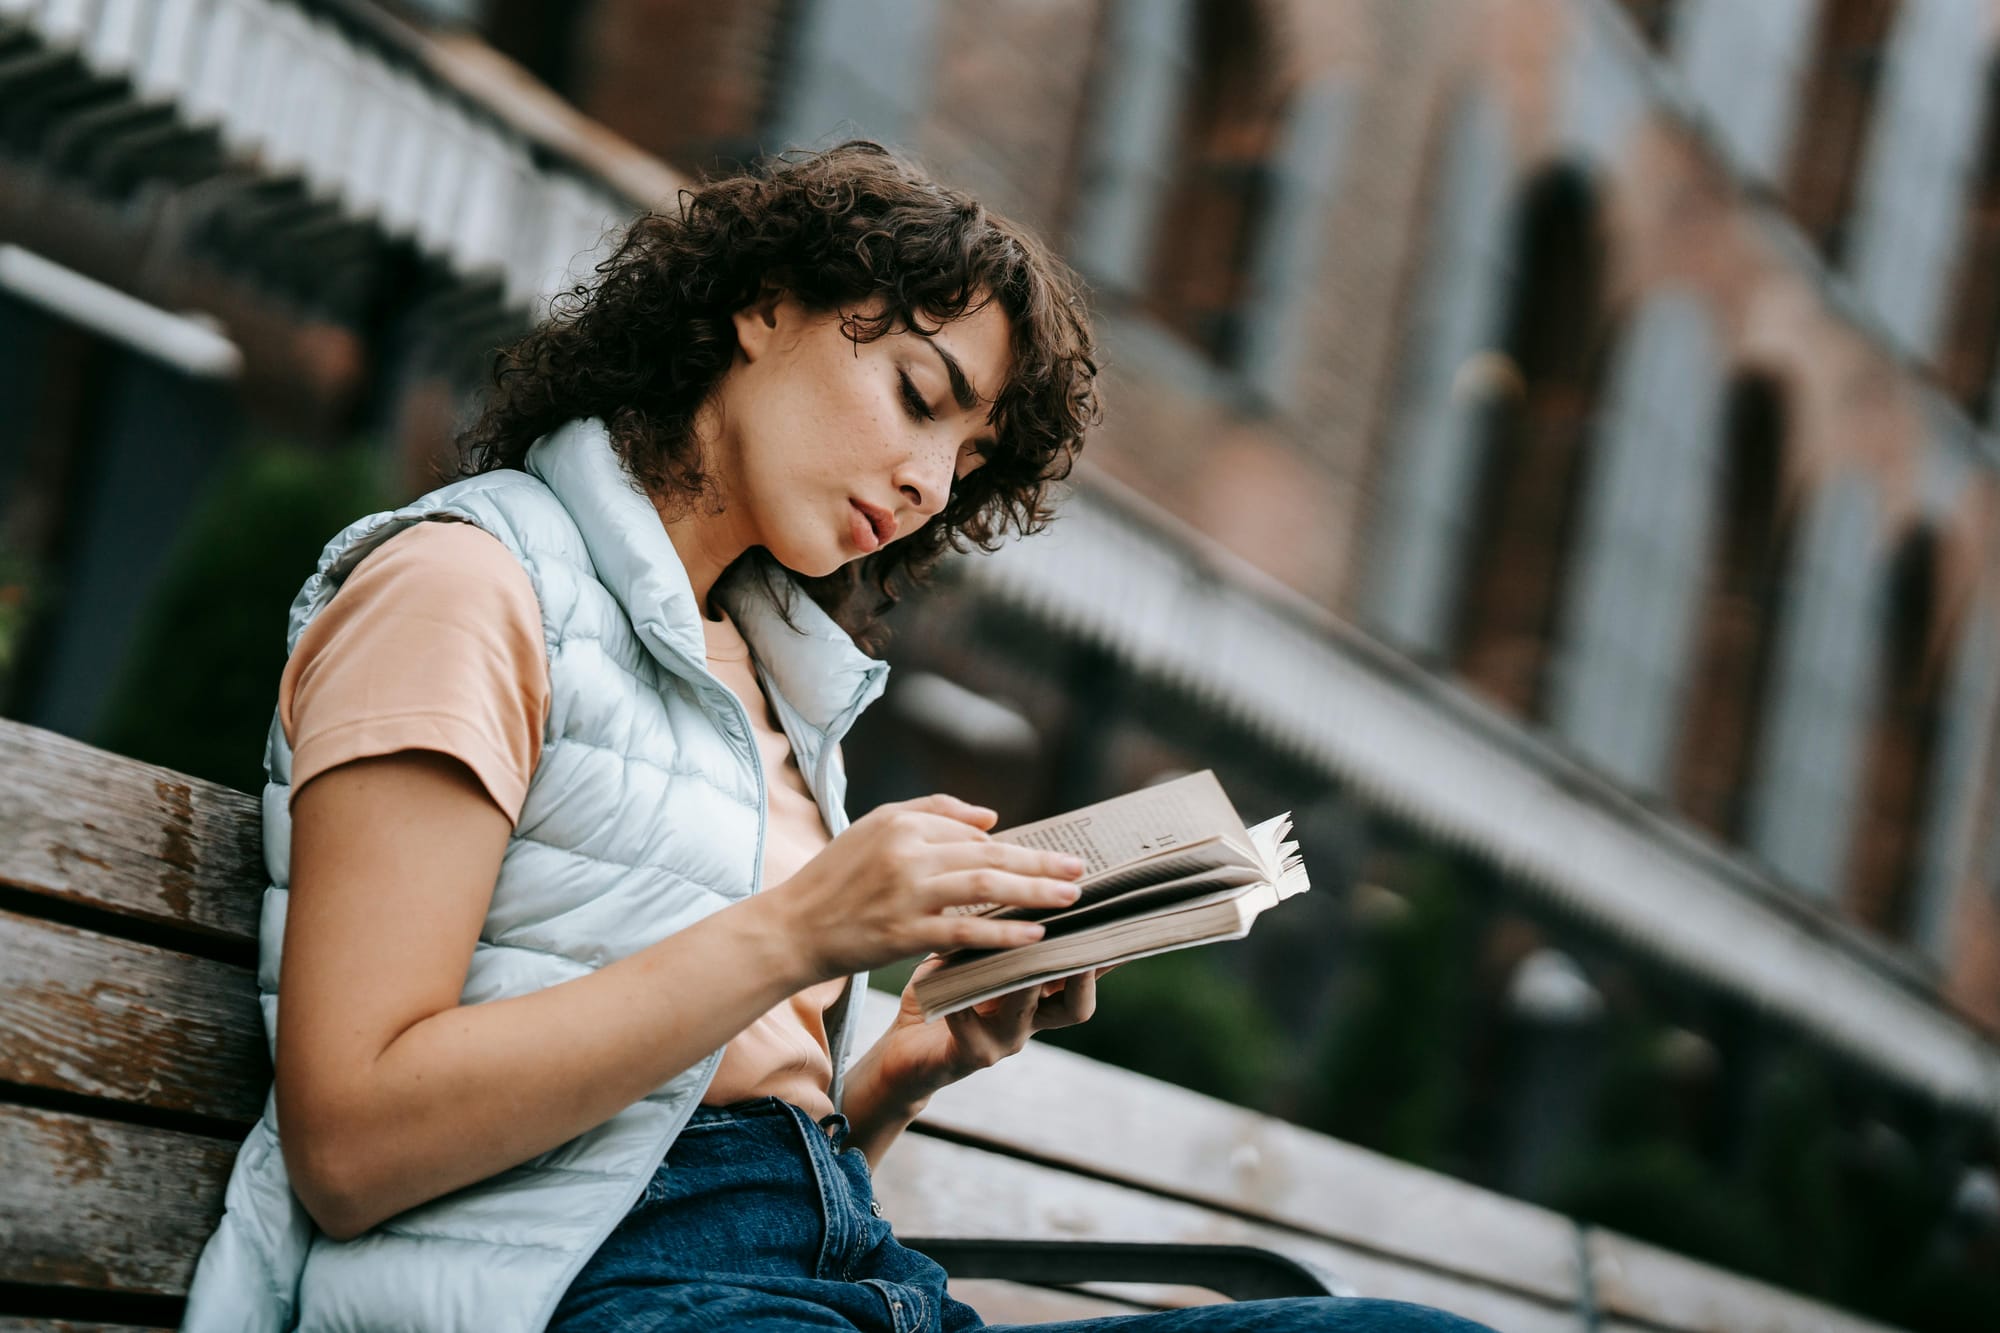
pixel 1165 867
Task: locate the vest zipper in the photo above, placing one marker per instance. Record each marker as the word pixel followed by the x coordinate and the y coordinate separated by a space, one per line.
pixel 679 1122
pixel 857 984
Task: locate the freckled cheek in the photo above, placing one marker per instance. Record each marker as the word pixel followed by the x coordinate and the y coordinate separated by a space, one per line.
pixel 871 437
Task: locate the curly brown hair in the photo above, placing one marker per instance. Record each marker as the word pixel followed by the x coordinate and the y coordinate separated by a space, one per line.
pixel 852 227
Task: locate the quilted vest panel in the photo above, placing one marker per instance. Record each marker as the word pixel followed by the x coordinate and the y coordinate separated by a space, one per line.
pixel 644 814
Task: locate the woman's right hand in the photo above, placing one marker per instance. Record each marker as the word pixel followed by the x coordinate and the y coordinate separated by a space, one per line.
pixel 882 889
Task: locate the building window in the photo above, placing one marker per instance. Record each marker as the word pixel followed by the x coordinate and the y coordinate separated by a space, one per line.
pixel 1892 816
pixel 1452 364
pixel 847 68
pixel 1653 18
pixel 1967 362
pixel 1634 570
pixel 542 37
pixel 1222 183
pixel 1811 750
pixel 1739 606
pixel 1846 71
pixel 689 83
pixel 1532 444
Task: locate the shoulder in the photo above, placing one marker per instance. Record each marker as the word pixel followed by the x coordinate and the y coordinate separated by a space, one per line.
pixel 452 569
pixel 444 552
pixel 447 588
pixel 433 642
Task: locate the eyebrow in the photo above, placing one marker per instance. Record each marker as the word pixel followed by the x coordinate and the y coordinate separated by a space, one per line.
pixel 962 391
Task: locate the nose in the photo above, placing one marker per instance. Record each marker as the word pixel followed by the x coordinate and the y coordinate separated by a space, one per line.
pixel 925 479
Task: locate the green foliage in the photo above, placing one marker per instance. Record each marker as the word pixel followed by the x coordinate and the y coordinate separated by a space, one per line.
pixel 19 584
pixel 1388 1075
pixel 1839 1210
pixel 199 687
pixel 893 977
pixel 1793 1164
pixel 1669 1196
pixel 1180 1017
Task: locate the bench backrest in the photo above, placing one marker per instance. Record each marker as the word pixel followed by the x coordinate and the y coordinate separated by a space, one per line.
pixel 132 1062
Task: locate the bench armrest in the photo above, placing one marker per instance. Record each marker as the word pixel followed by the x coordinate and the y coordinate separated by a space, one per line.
pixel 1240 1272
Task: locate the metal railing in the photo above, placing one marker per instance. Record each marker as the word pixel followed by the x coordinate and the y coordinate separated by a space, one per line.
pixel 338 121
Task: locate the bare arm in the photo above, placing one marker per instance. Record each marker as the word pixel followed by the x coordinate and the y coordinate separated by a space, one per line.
pixel 390 1093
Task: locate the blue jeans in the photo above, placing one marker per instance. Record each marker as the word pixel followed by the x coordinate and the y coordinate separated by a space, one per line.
pixel 760 1219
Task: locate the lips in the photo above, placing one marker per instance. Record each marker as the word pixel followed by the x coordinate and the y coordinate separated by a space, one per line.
pixel 874 526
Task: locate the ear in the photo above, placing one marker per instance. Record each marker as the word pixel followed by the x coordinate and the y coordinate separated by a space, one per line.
pixel 757 322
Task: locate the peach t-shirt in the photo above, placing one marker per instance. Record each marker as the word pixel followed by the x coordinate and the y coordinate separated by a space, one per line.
pixel 434 642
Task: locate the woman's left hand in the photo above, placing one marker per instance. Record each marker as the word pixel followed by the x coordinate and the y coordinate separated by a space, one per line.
pixel 913 1059
pixel 932 1055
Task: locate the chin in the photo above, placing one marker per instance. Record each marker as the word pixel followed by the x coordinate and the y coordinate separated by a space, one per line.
pixel 812 564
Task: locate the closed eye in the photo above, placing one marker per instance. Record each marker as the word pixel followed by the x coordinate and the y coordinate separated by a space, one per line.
pixel 913 401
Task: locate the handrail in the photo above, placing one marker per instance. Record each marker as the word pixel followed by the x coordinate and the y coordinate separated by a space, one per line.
pixel 446 146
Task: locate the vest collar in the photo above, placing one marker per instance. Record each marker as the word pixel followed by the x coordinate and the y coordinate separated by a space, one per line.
pixel 818 668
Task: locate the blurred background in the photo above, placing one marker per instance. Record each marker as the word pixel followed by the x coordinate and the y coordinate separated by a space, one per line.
pixel 1551 449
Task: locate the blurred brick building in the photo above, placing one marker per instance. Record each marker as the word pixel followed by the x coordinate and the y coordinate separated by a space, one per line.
pixel 1557 432
pixel 1609 385
pixel 1627 366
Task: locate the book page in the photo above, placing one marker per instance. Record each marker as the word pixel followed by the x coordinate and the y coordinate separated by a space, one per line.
pixel 1124 829
pixel 1280 857
pixel 973 980
pixel 1180 873
pixel 1197 891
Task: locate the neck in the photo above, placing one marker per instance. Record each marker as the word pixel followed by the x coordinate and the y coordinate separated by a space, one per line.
pixel 708 537
pixel 706 548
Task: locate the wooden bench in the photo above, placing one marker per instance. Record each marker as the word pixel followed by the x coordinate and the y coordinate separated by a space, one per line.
pixel 132 1062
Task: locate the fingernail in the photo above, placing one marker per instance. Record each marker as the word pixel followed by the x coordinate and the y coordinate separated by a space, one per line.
pixel 1072 864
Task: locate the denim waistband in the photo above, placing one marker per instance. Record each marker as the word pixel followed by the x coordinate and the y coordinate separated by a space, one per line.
pixel 834 1125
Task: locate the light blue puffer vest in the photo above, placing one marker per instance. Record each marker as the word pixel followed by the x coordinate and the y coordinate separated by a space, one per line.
pixel 645 813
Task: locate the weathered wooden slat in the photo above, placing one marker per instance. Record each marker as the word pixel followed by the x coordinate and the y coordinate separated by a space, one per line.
pixel 109 1207
pixel 1150 1295
pixel 1062 1108
pixel 932 1187
pixel 1012 1303
pixel 106 1017
pixel 90 827
pixel 1642 1282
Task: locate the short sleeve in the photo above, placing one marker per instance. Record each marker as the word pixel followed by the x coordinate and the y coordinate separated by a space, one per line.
pixel 434 642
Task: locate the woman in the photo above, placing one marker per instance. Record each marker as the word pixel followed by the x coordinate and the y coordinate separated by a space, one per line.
pixel 546 1055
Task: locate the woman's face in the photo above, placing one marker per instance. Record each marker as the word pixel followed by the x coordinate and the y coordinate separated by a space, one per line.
pixel 818 432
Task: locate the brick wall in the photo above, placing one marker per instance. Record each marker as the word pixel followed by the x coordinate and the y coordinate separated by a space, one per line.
pixel 1296 492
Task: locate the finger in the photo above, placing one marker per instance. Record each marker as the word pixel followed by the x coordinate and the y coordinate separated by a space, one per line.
pixel 964 854
pixel 943 830
pixel 1011 1009
pixel 1004 1024
pixel 960 888
pixel 1076 1003
pixel 950 807
pixel 948 934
